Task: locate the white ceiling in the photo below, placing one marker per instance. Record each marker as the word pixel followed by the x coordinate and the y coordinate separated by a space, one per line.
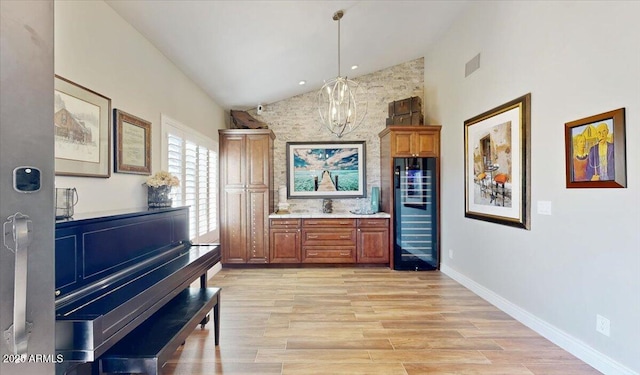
pixel 245 53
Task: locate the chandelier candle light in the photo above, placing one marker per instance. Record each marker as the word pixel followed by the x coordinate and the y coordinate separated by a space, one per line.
pixel 338 105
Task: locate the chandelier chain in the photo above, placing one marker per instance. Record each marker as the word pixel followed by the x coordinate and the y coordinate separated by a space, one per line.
pixel 339 47
pixel 340 102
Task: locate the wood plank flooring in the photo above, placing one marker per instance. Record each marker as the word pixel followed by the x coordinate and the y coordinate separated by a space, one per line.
pixel 362 321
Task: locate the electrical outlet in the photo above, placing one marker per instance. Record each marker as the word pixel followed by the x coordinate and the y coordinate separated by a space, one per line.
pixel 603 325
pixel 450 253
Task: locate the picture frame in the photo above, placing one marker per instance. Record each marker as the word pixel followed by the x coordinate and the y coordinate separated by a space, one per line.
pixel 584 138
pixel 132 151
pixel 82 136
pixel 326 169
pixel 498 165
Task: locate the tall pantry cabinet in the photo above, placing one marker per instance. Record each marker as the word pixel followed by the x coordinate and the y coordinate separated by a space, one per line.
pixel 246 196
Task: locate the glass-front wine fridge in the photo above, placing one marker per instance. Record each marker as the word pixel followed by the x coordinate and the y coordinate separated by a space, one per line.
pixel 415 215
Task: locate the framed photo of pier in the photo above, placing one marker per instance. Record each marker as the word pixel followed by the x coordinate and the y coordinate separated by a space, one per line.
pixel 326 170
pixel 82 137
pixel 497 164
pixel 595 151
pixel 132 143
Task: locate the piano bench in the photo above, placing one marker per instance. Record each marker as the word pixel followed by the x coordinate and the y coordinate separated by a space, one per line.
pixel 148 347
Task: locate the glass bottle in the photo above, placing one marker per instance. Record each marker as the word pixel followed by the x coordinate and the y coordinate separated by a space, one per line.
pixel 375 199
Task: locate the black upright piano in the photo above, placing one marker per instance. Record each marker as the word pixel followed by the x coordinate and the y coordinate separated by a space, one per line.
pixel 115 270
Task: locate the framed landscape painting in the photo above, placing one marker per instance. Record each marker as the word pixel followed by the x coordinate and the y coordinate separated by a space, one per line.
pixel 326 170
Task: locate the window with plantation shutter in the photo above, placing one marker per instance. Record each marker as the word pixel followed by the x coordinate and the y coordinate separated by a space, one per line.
pixel 194 159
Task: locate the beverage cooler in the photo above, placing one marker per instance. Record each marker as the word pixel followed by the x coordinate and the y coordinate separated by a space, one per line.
pixel 415 223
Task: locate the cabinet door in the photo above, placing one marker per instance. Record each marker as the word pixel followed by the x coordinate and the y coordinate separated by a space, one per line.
pixel 285 246
pixel 232 161
pixel 258 167
pixel 401 145
pixel 233 229
pixel 373 245
pixel 426 144
pixel 418 143
pixel 258 226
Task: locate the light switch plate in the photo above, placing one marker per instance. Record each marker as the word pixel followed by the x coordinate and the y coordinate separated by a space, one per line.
pixel 544 207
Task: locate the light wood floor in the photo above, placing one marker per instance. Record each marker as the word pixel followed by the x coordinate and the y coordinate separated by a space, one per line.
pixel 362 321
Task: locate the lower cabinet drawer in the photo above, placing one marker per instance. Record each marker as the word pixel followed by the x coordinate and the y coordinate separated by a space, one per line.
pixel 285 223
pixel 329 254
pixel 327 236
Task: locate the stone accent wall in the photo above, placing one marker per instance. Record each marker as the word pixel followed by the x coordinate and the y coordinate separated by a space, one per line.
pixel 297 120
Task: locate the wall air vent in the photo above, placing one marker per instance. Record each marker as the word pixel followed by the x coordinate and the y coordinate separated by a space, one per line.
pixel 472 65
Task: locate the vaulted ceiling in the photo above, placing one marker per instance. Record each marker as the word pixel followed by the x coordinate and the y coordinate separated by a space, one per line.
pixel 245 53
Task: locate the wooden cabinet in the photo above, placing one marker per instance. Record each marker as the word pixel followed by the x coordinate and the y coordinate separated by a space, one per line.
pixel 285 241
pixel 413 141
pixel 246 196
pixel 330 240
pixel 373 241
pixel 408 143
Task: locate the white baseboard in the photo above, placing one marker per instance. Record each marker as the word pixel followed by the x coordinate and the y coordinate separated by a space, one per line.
pixel 567 342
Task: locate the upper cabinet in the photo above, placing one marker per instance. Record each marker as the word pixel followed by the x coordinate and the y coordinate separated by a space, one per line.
pixel 413 141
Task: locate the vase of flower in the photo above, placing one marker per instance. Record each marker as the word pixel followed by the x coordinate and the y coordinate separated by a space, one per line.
pixel 158 196
pixel 159 189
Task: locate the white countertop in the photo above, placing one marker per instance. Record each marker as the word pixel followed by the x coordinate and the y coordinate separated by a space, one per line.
pixel 334 215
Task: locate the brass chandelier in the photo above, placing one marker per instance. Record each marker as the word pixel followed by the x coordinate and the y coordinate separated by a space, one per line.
pixel 340 101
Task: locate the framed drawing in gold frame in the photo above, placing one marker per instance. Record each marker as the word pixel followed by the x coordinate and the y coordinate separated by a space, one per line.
pixel 82 136
pixel 132 143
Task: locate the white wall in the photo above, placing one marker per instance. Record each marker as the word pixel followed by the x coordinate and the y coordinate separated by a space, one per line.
pixel 577 59
pixel 96 48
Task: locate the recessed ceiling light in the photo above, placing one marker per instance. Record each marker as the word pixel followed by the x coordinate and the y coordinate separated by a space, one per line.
pixel 303 82
pixel 354 67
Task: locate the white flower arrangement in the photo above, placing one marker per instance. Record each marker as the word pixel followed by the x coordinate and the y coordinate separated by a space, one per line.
pixel 162 178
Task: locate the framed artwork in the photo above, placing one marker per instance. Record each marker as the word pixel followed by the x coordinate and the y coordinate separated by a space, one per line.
pixel 595 151
pixel 497 164
pixel 132 143
pixel 82 136
pixel 326 170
